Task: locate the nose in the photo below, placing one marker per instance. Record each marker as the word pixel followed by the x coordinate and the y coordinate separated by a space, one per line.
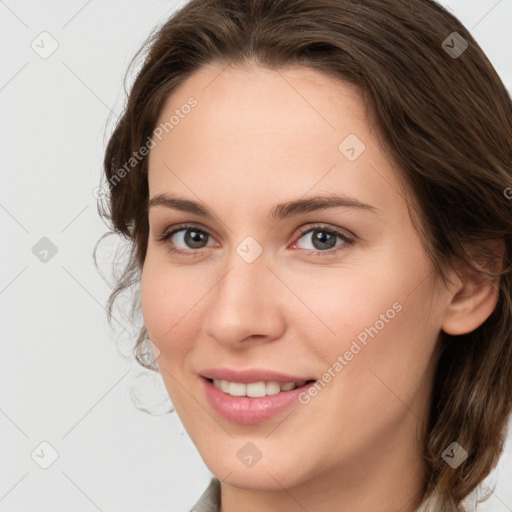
pixel 245 307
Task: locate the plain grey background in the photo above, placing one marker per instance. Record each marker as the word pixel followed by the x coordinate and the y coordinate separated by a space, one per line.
pixel 66 378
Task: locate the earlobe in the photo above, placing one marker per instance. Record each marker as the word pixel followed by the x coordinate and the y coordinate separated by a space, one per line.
pixel 472 304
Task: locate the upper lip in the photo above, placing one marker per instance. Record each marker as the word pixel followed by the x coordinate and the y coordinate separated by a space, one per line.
pixel 251 375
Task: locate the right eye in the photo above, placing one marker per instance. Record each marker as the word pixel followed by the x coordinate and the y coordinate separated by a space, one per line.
pixel 190 237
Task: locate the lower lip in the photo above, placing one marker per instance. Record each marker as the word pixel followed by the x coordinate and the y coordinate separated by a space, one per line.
pixel 249 411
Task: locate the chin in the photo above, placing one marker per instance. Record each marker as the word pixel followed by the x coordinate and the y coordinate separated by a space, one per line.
pixel 268 473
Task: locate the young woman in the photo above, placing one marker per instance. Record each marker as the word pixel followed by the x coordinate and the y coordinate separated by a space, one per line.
pixel 317 194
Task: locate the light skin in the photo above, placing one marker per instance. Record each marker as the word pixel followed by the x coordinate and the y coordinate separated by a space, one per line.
pixel 256 139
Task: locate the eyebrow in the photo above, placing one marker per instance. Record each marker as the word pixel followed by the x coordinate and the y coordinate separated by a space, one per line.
pixel 280 211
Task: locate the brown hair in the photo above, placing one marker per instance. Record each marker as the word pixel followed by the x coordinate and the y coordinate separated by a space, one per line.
pixel 444 119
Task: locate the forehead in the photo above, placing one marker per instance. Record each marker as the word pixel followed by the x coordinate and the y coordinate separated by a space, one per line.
pixel 256 133
pixel 263 100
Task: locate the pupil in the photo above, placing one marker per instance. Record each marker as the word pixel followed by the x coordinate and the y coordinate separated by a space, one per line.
pixel 194 237
pixel 324 238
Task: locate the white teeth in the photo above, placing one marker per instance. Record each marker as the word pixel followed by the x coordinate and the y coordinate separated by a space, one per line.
pixel 236 389
pixel 273 388
pixel 255 389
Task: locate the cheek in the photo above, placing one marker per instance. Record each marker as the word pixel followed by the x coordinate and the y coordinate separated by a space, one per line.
pixel 167 296
pixel 154 298
pixel 390 336
pixel 346 301
pixel 382 311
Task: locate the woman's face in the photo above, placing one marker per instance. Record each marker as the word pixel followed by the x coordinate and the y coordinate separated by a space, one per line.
pixel 341 295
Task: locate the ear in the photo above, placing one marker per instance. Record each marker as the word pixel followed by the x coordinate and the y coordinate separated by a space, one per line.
pixel 474 297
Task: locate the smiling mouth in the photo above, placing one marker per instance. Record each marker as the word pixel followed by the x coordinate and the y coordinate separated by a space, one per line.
pixel 256 389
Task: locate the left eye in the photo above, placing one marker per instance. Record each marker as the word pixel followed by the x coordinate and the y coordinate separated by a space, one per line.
pixel 324 239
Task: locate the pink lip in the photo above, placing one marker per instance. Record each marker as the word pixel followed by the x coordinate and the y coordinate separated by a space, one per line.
pixel 254 375
pixel 247 410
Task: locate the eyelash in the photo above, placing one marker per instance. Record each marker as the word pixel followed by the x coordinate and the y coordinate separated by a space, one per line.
pixel 348 241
